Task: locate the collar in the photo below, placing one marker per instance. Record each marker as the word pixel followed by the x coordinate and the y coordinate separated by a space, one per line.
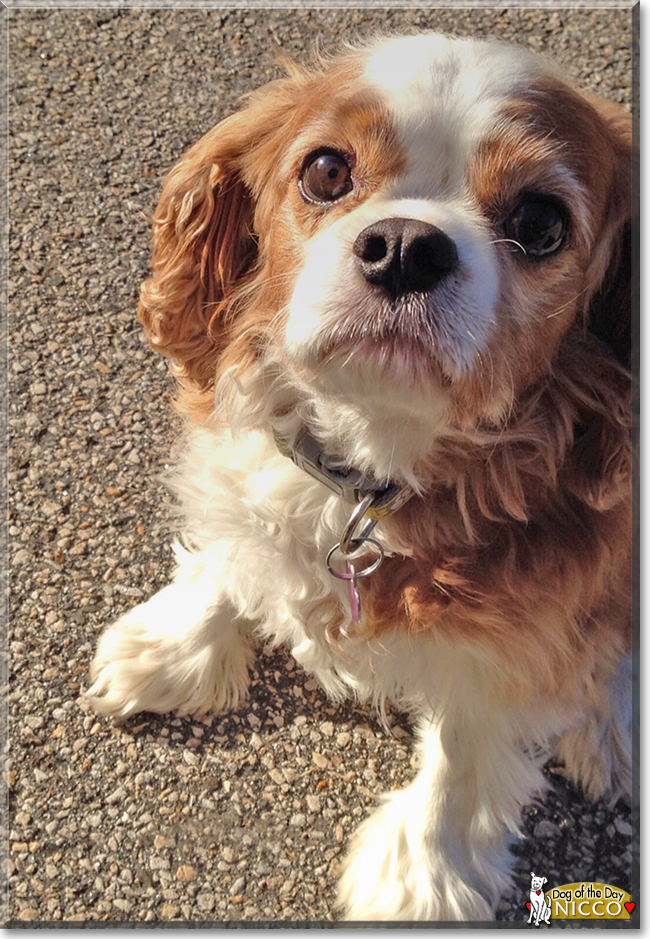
pixel 349 483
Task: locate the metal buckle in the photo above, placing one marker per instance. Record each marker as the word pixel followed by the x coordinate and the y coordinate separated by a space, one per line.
pixel 389 501
pixel 308 454
pixel 350 484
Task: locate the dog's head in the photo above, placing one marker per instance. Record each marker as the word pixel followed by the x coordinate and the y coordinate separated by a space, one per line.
pixel 536 882
pixel 410 235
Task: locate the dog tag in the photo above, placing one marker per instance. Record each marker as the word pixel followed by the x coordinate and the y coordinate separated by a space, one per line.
pixel 353 593
pixel 351 575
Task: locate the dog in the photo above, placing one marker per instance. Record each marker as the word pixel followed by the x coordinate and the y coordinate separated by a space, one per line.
pixel 395 291
pixel 538 906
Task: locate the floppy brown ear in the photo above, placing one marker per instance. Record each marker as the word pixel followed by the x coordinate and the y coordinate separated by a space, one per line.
pixel 601 462
pixel 204 243
pixel 602 458
pixel 610 309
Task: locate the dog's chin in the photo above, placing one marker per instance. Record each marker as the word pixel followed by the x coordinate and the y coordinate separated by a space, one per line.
pixel 417 345
pixel 392 362
pixel 393 395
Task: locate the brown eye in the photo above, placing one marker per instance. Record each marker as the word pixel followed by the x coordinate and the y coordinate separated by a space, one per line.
pixel 326 176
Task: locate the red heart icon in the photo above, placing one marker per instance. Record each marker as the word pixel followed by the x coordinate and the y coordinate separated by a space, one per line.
pixel 528 905
pixel 629 906
pixel 538 892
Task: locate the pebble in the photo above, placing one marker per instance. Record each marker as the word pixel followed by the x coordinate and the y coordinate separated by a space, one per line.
pixel 238 886
pixel 205 902
pixel 313 803
pixel 116 796
pixel 546 829
pixel 623 827
pixel 186 873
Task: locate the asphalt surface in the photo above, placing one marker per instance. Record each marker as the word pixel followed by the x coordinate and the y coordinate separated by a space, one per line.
pixel 161 819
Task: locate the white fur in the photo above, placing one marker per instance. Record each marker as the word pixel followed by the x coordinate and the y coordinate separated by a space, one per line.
pixel 182 651
pixel 436 850
pixel 443 95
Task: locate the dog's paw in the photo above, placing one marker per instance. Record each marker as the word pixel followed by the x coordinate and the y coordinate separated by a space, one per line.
pixel 395 871
pixel 138 668
pixel 597 756
pixel 597 753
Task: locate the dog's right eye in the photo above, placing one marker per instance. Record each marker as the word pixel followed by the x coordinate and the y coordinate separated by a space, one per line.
pixel 538 225
pixel 326 176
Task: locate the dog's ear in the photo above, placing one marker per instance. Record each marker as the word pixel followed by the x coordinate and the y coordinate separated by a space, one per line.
pixel 610 311
pixel 601 465
pixel 204 240
pixel 601 458
pixel 610 308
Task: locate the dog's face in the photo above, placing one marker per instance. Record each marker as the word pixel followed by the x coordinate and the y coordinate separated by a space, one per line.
pixel 414 229
pixel 537 882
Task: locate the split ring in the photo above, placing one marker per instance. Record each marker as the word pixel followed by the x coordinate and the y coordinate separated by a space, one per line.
pixel 355 545
pixel 360 510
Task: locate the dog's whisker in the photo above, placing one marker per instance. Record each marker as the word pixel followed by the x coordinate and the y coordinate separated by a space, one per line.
pixel 508 241
pixel 564 306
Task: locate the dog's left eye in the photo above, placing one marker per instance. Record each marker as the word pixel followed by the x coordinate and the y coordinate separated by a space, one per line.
pixel 326 176
pixel 539 225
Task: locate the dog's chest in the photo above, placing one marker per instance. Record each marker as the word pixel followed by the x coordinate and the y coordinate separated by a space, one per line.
pixel 277 523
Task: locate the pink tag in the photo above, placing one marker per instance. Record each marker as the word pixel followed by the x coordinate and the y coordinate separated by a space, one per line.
pixel 353 593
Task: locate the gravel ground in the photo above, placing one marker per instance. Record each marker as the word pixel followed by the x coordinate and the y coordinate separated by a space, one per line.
pixel 245 817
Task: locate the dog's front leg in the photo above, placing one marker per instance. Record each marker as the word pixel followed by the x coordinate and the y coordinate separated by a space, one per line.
pixel 184 650
pixel 436 851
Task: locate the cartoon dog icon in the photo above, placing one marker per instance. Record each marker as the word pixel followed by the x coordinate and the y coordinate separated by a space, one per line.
pixel 538 906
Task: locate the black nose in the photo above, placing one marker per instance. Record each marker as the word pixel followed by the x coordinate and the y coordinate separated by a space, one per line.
pixel 403 255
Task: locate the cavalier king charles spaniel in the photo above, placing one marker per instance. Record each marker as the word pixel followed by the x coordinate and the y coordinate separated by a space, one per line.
pixel 395 292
